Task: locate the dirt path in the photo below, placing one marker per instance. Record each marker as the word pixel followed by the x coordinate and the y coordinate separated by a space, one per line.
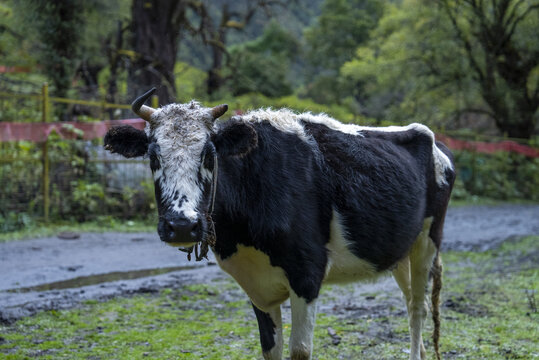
pixel 51 273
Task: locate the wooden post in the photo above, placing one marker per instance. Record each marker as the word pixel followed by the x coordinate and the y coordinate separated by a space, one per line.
pixel 45 154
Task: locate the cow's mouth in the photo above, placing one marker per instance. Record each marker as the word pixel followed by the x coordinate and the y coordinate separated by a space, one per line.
pixel 198 240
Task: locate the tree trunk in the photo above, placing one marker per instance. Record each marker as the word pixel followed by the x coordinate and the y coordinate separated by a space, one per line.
pixel 215 78
pixel 155 29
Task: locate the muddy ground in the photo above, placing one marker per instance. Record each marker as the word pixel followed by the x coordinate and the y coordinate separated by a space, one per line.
pixel 53 273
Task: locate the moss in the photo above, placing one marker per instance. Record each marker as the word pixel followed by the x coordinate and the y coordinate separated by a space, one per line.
pixel 104 224
pixel 487 313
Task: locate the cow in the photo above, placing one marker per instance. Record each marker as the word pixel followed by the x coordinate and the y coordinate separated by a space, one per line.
pixel 289 201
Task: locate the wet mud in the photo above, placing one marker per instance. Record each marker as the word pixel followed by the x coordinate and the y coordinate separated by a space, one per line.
pixel 58 273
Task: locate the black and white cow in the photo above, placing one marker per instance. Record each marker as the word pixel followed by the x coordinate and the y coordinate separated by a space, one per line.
pixel 300 200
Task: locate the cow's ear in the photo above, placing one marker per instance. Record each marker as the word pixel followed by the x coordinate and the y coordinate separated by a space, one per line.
pixel 126 141
pixel 235 138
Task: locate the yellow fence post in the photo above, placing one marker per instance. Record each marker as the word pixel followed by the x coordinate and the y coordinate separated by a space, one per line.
pixel 45 153
pixel 155 101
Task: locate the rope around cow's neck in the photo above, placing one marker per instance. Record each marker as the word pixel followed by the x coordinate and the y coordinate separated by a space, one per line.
pixel 201 248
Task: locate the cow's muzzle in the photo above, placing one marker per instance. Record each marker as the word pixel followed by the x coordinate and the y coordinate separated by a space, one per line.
pixel 178 230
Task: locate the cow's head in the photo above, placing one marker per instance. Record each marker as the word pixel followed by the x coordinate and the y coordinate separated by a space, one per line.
pixel 182 143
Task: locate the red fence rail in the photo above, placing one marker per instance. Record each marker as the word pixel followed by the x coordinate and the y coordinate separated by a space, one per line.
pixel 488 147
pixel 39 132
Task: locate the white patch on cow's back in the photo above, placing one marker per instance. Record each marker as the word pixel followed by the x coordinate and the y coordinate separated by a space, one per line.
pixel 343 265
pixel 288 121
pixel 267 286
pixel 441 164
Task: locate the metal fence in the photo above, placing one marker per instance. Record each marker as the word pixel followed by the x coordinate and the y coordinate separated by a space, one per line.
pixel 81 181
pixel 66 179
pixel 55 178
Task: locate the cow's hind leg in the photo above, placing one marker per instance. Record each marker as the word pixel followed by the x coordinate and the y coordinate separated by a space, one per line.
pixel 303 321
pixel 271 332
pixel 421 260
pixel 402 277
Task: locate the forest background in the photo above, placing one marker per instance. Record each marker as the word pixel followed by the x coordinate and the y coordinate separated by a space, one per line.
pixel 466 68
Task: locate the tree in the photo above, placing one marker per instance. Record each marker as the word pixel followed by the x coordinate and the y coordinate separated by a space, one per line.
pixel 156 27
pixel 215 25
pixel 460 60
pixel 500 42
pixel 66 38
pixel 341 27
pixel 102 46
pixel 10 38
pixel 58 25
pixel 262 65
pixel 409 70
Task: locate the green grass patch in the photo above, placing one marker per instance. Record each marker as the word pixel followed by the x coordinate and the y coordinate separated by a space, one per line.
pixel 100 225
pixel 488 312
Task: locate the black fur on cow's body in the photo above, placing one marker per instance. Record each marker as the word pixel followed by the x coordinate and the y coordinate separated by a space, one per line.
pixel 281 196
pixel 302 203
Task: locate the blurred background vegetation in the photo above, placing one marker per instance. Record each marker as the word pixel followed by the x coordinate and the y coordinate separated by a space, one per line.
pixel 466 68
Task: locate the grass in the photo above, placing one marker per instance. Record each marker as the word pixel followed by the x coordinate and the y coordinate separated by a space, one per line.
pixel 108 223
pixel 102 224
pixel 489 312
pixel 474 200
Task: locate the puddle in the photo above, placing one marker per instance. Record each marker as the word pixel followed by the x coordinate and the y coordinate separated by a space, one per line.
pixel 101 278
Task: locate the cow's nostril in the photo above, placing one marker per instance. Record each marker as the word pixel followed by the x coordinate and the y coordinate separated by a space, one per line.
pixel 194 229
pixel 181 229
pixel 169 231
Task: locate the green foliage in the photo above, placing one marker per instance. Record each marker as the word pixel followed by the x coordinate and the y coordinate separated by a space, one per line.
pixel 502 57
pixel 275 40
pixel 422 65
pixel 80 190
pixel 341 27
pixel 252 101
pixel 33 228
pixel 262 65
pixel 190 82
pixel 86 199
pixel 261 73
pixel 57 25
pixel 13 221
pixel 19 182
pixel 15 49
pixel 500 175
pixel 408 72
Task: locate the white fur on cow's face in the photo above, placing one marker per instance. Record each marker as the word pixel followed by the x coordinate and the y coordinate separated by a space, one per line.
pixel 181 131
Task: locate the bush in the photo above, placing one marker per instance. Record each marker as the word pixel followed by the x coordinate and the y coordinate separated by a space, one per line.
pixel 82 186
pixel 501 175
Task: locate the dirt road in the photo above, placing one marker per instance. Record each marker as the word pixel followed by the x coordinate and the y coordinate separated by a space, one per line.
pixel 51 273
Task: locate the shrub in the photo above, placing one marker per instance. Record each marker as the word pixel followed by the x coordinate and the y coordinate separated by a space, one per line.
pixel 500 175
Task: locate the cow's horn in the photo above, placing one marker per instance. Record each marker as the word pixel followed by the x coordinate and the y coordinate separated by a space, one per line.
pixel 219 110
pixel 145 112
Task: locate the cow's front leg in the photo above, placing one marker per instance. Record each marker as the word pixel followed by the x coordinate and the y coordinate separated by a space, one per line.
pixel 271 332
pixel 303 321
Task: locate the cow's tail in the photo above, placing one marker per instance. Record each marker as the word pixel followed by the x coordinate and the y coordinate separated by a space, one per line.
pixel 436 273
